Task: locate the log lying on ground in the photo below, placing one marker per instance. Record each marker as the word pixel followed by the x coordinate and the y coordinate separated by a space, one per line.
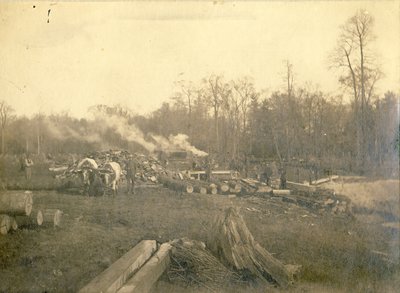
pixel 324 180
pixel 145 278
pixel 200 189
pixel 281 191
pixel 16 203
pixel 232 241
pixel 264 189
pixel 13 223
pixel 177 185
pixel 114 277
pixel 31 220
pixel 236 187
pixel 222 187
pixel 300 187
pixel 212 189
pixel 49 217
pixel 5 224
pixel 199 186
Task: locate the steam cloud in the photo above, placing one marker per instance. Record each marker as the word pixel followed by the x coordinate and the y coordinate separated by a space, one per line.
pixel 129 132
pixel 177 141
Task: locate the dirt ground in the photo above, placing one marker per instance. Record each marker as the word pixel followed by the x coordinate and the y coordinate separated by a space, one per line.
pixel 338 253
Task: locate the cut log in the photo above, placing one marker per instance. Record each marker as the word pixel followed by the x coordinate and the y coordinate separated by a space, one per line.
pixel 235 186
pixel 5 224
pixel 13 223
pixel 212 189
pixel 264 189
pixel 324 180
pixel 49 216
pixel 114 277
pixel 222 187
pixel 200 189
pixel 232 241
pixel 145 278
pixel 281 191
pixel 300 187
pixel 16 203
pixel 176 185
pixel 31 220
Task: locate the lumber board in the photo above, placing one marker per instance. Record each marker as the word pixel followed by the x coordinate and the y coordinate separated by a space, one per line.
pixel 145 278
pixel 119 272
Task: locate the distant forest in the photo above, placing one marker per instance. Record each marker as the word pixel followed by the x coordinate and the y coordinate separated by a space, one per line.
pixel 355 131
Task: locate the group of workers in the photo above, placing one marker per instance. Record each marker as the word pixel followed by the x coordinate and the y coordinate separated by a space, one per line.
pixel 267 173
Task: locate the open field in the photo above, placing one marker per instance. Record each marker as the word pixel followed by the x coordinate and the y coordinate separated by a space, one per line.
pixel 337 253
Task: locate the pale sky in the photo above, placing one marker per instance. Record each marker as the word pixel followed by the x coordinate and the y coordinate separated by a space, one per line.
pixel 131 53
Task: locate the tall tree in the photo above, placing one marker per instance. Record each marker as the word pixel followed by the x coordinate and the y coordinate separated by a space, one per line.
pixel 6 114
pixel 360 71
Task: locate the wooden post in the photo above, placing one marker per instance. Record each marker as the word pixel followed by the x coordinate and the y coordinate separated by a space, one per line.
pixel 145 278
pixel 16 203
pixel 116 275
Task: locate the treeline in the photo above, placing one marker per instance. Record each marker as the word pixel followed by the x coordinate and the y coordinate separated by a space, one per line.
pixel 233 120
pixel 229 119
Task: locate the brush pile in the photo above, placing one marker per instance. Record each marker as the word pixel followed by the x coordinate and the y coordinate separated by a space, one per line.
pixel 193 265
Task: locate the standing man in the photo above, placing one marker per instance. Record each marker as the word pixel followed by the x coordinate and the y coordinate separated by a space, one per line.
pixel 268 174
pixel 283 179
pixel 130 174
pixel 28 163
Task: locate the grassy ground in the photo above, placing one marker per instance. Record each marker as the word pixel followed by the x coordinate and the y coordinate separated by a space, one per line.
pixel 336 252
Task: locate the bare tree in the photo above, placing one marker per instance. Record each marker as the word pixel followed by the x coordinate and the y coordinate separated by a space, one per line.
pixel 187 92
pixel 218 90
pixel 360 71
pixel 6 114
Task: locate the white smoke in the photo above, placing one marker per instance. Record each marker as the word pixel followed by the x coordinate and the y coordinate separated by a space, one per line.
pixel 181 140
pixel 101 123
pixel 177 141
pixel 128 131
pixel 64 132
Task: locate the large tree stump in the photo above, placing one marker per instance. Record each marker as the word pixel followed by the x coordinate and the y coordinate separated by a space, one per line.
pixel 232 242
pixel 16 203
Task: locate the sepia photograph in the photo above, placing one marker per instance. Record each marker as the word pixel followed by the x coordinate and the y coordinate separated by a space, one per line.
pixel 199 146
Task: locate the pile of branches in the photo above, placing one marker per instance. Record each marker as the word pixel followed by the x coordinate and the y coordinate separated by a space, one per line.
pixel 193 265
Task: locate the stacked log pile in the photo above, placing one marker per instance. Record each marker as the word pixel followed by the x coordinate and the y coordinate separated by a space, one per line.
pixel 16 210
